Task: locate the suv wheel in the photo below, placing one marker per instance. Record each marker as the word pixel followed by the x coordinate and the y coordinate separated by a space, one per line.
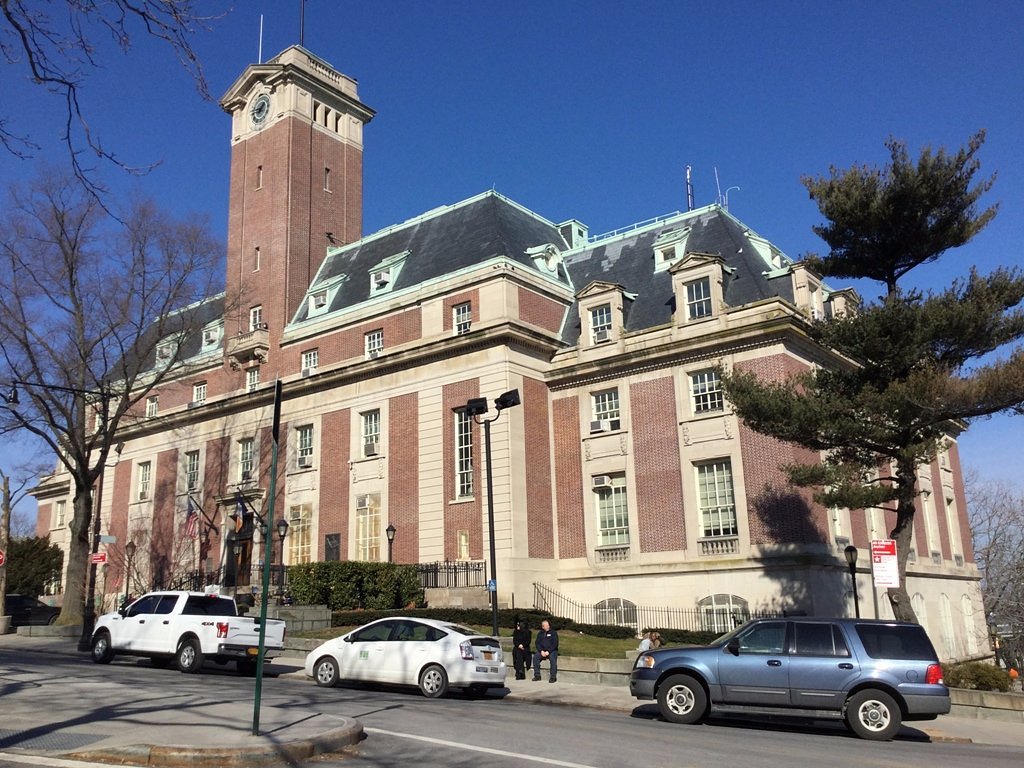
pixel 873 714
pixel 681 699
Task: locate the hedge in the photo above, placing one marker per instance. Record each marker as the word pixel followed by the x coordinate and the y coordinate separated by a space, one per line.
pixel 976 675
pixel 352 585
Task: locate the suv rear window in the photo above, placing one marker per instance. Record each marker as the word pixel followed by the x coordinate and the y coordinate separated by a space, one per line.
pixel 203 605
pixel 889 642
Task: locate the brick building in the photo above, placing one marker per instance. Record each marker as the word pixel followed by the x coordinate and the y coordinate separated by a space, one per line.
pixel 623 479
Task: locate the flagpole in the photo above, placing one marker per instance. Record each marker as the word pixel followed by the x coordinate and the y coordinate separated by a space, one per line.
pixel 268 554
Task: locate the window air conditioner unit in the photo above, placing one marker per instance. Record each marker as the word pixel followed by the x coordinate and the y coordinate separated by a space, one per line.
pixel 307 372
pixel 370 449
pixel 600 481
pixel 319 300
pixel 373 355
pixel 363 501
pixel 602 336
pixel 195 403
pixel 210 337
pixel 305 462
pixel 381 279
pixel 599 425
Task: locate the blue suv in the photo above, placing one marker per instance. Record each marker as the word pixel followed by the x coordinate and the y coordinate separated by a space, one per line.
pixel 872 674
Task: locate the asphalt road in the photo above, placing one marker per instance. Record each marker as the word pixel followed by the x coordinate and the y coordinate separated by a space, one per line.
pixel 404 729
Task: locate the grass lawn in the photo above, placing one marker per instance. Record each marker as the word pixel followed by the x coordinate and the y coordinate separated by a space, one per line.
pixel 569 643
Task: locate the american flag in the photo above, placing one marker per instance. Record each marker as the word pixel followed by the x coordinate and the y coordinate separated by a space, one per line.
pixel 191 520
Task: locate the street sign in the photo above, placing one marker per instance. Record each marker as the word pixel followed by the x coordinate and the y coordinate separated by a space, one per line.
pixel 3 557
pixel 492 585
pixel 108 539
pixel 98 558
pixel 884 567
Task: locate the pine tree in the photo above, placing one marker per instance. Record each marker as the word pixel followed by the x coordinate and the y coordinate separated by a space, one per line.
pixel 920 365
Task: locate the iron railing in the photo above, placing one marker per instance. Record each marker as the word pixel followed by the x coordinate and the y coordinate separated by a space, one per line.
pixel 452 573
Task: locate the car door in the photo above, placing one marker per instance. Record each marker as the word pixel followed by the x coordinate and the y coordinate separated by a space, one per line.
pixel 821 667
pixel 129 636
pixel 754 669
pixel 408 651
pixel 155 632
pixel 366 652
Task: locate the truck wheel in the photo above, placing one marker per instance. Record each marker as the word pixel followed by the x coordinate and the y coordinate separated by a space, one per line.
pixel 681 699
pixel 189 656
pixel 873 714
pixel 434 681
pixel 102 653
pixel 325 672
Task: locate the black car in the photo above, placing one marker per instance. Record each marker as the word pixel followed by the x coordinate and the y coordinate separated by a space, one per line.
pixel 27 611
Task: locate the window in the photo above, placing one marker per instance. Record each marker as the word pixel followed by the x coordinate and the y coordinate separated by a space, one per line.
pixel 256 318
pixel 767 638
pixel 463 455
pixel 698 299
pixel 305 440
pixel 606 410
pixel 722 612
pixel 332 547
pixel 716 500
pixel 318 301
pixel 899 643
pixel 327 179
pixel 144 480
pixel 612 513
pixel 368 527
pixel 199 392
pixel 462 318
pixel 310 360
pixel 818 639
pixel 246 459
pixel 706 390
pixel 192 470
pixel 256 259
pixel 152 403
pixel 462 537
pixel 259 177
pixel 60 512
pixel 252 379
pixel 615 610
pixel 374 343
pixel 371 432
pixel 601 323
pixel 300 534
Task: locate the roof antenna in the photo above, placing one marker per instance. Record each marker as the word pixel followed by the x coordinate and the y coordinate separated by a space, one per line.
pixel 689 190
pixel 259 59
pixel 718 187
pixel 727 196
pixel 302 23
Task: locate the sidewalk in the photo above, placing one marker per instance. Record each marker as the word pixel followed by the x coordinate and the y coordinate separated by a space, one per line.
pixel 198 731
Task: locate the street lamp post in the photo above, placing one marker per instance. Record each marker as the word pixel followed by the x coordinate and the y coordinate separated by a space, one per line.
pixel 475 408
pixel 851 560
pixel 282 531
pixel 390 531
pixel 129 553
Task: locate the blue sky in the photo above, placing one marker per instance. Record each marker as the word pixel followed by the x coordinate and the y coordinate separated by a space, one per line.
pixel 592 110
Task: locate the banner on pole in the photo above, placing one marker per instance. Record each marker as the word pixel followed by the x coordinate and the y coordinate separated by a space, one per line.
pixel 884 567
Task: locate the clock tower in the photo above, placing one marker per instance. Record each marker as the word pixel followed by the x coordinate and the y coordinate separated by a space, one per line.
pixel 296 188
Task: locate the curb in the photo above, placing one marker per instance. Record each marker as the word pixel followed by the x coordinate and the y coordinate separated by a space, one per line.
pixel 173 756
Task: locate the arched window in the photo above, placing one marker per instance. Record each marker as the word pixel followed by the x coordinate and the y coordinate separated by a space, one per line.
pixel 615 610
pixel 970 631
pixel 721 613
pixel 948 638
pixel 917 603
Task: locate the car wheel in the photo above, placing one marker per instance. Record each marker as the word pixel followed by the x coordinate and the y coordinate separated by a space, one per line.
pixel 434 681
pixel 681 699
pixel 160 662
pixel 325 672
pixel 102 653
pixel 873 714
pixel 189 656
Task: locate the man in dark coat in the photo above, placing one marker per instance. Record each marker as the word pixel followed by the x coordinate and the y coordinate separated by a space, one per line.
pixel 521 656
pixel 547 649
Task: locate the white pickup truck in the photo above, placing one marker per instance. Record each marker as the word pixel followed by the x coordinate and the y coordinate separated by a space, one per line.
pixel 185 628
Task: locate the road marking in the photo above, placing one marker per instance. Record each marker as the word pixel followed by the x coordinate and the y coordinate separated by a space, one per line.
pixel 52 762
pixel 485 750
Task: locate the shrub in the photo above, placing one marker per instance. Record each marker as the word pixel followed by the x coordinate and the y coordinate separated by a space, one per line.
pixel 976 675
pixel 684 636
pixel 354 585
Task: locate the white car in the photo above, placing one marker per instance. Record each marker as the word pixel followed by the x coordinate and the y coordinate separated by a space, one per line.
pixel 409 651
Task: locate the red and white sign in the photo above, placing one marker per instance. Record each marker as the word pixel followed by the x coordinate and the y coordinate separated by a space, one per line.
pixel 3 557
pixel 98 558
pixel 884 567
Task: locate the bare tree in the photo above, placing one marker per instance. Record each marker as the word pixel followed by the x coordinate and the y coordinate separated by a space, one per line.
pixel 95 311
pixel 56 44
pixel 997 529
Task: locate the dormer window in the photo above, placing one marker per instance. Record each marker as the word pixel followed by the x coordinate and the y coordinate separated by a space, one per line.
pixel 384 274
pixel 212 337
pixel 601 323
pixel 698 299
pixel 670 247
pixel 380 279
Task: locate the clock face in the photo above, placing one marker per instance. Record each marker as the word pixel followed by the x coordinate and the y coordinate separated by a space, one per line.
pixel 260 109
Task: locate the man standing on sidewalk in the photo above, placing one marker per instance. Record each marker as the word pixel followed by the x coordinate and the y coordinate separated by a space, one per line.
pixel 547 649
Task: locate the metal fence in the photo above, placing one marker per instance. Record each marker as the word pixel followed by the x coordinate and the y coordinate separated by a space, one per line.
pixel 626 614
pixel 452 573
